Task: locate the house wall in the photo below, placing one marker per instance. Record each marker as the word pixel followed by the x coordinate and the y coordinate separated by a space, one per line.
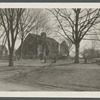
pixel 29 47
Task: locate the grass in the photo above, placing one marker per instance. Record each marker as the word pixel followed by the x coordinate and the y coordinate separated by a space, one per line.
pixel 66 76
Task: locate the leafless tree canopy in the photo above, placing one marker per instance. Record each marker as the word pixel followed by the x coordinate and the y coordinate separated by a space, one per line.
pixel 10 22
pixel 75 24
pixel 72 24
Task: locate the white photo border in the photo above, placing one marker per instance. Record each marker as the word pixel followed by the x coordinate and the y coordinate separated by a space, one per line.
pixel 46 94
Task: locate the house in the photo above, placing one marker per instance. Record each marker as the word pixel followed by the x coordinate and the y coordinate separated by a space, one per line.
pixel 63 50
pixel 29 47
pixel 3 52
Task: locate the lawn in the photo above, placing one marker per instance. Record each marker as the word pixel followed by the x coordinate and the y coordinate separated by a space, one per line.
pixel 57 77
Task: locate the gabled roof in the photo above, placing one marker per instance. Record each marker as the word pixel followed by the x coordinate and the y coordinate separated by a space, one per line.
pixel 48 38
pixel 63 43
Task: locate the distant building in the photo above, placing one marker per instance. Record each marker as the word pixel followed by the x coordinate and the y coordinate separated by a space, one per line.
pixel 3 52
pixel 29 47
pixel 63 49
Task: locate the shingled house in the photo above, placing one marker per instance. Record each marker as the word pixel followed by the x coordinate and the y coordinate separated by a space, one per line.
pixel 29 48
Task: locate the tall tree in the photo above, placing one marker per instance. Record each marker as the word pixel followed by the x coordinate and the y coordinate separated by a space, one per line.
pixel 10 22
pixel 75 24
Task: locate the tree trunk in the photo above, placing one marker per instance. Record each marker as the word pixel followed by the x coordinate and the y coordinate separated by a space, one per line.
pixel 77 53
pixel 21 47
pixel 36 46
pixel 11 58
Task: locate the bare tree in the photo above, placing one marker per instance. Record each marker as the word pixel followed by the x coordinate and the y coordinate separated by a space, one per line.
pixel 10 21
pixel 75 24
